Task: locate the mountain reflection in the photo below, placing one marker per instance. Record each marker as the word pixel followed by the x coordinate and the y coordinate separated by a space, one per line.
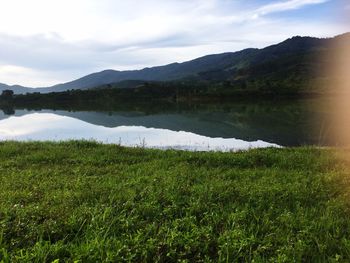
pixel 53 127
pixel 280 122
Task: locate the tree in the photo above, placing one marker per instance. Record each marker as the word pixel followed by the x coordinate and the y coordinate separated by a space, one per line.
pixel 7 94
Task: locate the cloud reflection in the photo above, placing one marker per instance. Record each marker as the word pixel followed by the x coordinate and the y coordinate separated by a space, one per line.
pixel 52 127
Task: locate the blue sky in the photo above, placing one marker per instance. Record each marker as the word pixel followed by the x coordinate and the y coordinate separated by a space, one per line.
pixel 48 42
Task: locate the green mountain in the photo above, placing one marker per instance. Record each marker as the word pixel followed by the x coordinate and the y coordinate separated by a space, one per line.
pixel 288 65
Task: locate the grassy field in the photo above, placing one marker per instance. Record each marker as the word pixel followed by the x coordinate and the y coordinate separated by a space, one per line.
pixel 86 202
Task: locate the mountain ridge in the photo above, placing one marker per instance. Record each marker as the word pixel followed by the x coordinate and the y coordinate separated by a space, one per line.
pixel 227 66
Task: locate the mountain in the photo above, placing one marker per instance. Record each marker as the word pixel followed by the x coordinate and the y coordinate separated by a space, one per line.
pixel 16 88
pixel 169 72
pixel 291 60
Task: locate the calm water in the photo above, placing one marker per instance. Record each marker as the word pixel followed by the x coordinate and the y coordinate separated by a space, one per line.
pixel 233 126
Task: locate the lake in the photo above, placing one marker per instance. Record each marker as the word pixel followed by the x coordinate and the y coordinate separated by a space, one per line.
pixel 190 126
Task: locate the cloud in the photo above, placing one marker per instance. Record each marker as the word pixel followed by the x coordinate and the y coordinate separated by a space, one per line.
pixel 57 41
pixel 286 5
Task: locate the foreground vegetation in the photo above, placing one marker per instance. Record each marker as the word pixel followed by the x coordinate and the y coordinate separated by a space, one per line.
pixel 89 202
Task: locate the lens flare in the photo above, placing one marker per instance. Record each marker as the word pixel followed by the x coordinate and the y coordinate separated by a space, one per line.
pixel 339 85
pixel 331 79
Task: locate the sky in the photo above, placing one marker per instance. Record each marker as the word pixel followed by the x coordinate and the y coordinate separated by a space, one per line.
pixel 46 42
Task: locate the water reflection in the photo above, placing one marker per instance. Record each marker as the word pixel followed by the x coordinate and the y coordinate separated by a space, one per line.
pixel 287 123
pixel 53 127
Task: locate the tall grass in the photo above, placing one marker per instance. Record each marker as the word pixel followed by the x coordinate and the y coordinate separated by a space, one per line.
pixel 87 202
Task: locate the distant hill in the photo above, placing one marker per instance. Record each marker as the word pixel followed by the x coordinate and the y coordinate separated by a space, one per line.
pixel 292 60
pixel 16 88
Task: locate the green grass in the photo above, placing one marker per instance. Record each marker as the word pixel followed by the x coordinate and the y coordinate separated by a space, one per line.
pixel 86 202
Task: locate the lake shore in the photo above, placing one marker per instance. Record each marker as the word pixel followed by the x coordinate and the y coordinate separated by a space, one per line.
pixel 91 202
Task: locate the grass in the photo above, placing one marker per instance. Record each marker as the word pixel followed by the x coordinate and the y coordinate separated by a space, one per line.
pixel 87 202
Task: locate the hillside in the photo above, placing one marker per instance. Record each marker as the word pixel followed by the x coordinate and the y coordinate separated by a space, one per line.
pixel 293 61
pixel 169 72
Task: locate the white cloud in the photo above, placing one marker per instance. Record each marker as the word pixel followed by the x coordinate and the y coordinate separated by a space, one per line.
pixel 286 5
pixel 59 40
